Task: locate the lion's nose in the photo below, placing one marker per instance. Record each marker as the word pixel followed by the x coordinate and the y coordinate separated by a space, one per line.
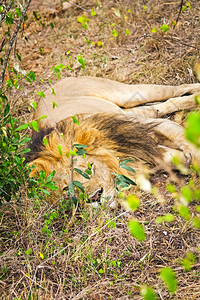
pixel 97 195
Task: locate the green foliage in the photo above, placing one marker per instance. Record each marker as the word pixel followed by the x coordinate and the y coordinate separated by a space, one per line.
pixel 13 173
pixel 165 218
pixel 115 33
pixel 133 202
pixel 168 276
pixel 124 165
pixel 147 293
pixel 81 60
pixel 84 21
pixel 75 121
pixel 192 130
pixel 184 212
pixel 164 27
pixel 188 261
pixel 41 94
pixel 58 68
pixel 29 251
pixel 123 181
pixel 136 230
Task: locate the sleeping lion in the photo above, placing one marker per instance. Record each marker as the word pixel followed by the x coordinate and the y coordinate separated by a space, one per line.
pixel 113 121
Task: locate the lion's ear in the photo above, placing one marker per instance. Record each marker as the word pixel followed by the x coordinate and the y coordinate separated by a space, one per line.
pixel 38 165
pixel 89 137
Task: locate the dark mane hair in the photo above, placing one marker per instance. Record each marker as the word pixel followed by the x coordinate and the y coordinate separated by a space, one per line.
pixel 36 145
pixel 120 133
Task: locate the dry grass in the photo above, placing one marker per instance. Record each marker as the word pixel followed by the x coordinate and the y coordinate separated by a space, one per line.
pixel 83 257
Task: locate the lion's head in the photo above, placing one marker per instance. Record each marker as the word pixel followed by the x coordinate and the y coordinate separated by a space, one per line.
pixel 107 138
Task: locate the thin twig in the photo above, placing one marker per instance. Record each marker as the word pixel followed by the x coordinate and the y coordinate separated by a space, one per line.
pixel 2 44
pixel 180 10
pixel 5 62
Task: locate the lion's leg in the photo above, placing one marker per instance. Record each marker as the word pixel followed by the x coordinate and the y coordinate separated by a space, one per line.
pixel 167 130
pixel 128 96
pixel 170 153
pixel 170 106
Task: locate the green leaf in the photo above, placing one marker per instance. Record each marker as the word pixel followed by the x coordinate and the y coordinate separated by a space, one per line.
pixel 25 151
pixel 124 181
pixel 25 140
pixel 35 125
pixel 22 127
pixel 18 56
pixel 34 105
pixel 196 222
pixel 115 33
pixel 188 261
pixel 186 193
pixel 30 76
pixel 51 175
pixel 184 212
pixel 44 140
pixel 74 153
pixel 147 293
pixel 71 189
pixel 127 32
pixel 133 202
pixel 171 188
pixel 101 271
pixel 184 8
pixel 80 146
pixel 164 27
pixel 197 99
pixel 83 20
pixel 41 94
pixel 168 276
pixel 128 168
pixel 9 19
pixel 126 161
pixel 54 104
pixel 192 131
pixel 154 30
pixel 51 186
pixel 6 109
pixel 81 173
pixel 60 149
pixel 136 230
pixel 93 13
pixel 75 121
pixel 81 61
pixel 29 251
pixel 42 117
pixel 79 185
pixel 47 193
pixel 165 218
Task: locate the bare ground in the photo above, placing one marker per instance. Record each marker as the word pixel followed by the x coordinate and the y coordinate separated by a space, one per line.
pixel 78 256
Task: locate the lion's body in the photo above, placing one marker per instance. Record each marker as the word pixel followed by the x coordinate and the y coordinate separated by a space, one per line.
pixel 111 125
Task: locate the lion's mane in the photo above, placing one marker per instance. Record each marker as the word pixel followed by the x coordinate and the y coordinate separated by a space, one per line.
pixel 109 137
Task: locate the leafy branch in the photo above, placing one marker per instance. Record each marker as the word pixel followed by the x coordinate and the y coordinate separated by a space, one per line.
pixel 11 42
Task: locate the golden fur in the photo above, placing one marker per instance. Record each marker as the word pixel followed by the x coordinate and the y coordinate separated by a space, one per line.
pixel 110 138
pixel 113 125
